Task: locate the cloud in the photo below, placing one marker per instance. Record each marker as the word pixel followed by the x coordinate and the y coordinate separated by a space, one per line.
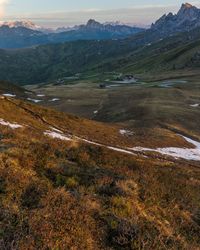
pixel 2 6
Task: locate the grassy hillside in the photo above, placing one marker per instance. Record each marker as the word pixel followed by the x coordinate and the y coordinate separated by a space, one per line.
pixel 50 62
pixel 140 106
pixel 10 88
pixel 145 52
pixel 71 194
pixel 160 57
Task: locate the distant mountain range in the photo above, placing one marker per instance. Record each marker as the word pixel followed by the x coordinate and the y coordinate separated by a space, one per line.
pixel 169 47
pixel 26 34
pixel 20 34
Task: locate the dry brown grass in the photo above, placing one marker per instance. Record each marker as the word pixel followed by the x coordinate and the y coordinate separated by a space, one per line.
pixel 63 195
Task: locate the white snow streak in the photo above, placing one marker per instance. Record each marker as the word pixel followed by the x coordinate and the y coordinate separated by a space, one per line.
pixel 40 95
pixel 34 100
pixel 195 105
pixel 11 125
pixel 125 132
pixel 54 100
pixel 9 95
pixel 175 152
pixel 57 135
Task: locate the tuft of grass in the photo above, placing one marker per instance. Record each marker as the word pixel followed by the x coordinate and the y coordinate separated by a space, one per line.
pixel 71 182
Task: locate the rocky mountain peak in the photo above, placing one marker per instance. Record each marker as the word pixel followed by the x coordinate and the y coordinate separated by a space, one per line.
pixel 187 18
pixel 187 6
pixel 16 24
pixel 187 9
pixel 93 24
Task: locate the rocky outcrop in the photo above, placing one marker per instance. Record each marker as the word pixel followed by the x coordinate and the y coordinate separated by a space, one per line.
pixel 187 18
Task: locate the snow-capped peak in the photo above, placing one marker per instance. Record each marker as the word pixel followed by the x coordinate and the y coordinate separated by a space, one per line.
pixel 26 24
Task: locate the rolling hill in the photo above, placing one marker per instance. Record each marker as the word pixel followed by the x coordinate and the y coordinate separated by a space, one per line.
pixel 177 53
pixel 142 53
pixel 68 182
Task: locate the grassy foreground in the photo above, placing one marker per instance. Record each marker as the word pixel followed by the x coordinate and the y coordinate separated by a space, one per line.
pixel 72 195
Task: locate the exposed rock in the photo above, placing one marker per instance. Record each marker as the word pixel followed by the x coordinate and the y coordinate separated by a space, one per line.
pixel 187 18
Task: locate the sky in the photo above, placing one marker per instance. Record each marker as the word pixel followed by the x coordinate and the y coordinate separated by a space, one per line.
pixel 53 13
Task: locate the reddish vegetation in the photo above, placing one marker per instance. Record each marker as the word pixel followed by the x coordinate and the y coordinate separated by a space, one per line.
pixel 71 195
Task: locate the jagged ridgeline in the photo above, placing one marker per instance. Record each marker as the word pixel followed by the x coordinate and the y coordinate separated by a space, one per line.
pixel 187 18
pixel 22 34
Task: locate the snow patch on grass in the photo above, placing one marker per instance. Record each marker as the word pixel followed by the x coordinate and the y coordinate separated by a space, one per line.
pixel 9 95
pixel 195 105
pixel 34 100
pixel 11 125
pixel 40 95
pixel 54 100
pixel 125 132
pixel 175 152
pixel 57 135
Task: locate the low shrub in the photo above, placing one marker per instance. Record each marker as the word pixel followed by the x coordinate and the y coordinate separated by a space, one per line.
pixel 71 182
pixel 31 196
pixel 60 180
pixel 196 217
pixel 111 189
pixel 2 186
pixel 123 233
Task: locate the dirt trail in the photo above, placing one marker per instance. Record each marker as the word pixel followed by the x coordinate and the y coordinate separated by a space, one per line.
pixel 54 127
pixel 32 113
